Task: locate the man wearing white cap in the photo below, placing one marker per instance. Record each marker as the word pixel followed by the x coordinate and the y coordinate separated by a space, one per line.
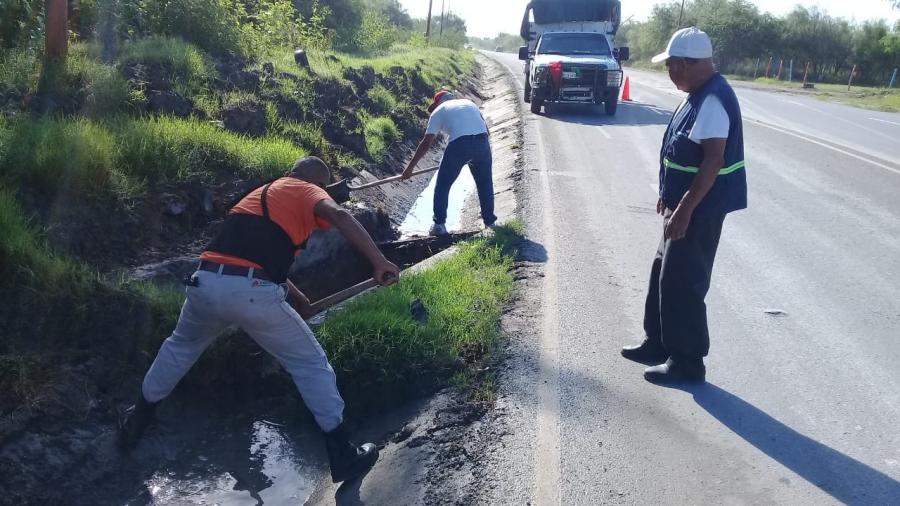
pixel 701 179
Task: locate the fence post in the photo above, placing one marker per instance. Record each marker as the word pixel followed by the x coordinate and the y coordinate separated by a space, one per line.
pixel 852 71
pixel 756 70
pixel 768 67
pixel 893 79
pixel 791 72
pixel 805 74
pixel 780 67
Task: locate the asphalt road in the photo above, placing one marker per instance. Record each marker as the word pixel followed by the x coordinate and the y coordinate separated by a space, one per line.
pixel 803 395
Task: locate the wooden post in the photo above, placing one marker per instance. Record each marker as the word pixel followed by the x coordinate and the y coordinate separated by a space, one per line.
pixel 56 39
pixel 768 67
pixel 852 71
pixel 428 21
pixel 756 70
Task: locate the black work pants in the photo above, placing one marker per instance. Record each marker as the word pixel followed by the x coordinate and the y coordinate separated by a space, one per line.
pixel 675 311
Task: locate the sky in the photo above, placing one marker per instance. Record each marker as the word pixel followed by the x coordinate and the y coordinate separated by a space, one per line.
pixel 486 18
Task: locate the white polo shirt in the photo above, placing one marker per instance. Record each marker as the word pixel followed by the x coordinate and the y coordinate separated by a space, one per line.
pixel 457 118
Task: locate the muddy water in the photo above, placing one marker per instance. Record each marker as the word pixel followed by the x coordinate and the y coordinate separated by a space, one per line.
pixel 244 460
pixel 419 218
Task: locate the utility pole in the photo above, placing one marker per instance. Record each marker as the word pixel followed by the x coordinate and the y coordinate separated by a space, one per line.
pixel 56 38
pixel 442 18
pixel 428 21
pixel 681 14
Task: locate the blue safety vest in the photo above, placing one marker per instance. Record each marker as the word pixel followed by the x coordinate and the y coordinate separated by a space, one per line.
pixel 680 157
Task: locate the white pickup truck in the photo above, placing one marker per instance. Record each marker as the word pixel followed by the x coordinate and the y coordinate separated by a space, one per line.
pixel 571 55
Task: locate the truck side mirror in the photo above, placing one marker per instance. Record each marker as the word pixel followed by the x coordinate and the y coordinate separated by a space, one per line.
pixel 621 53
pixel 523 53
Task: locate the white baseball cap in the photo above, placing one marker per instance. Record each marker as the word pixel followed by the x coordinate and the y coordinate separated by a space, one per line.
pixel 688 42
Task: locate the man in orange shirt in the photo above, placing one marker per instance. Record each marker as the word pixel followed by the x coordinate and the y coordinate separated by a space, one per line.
pixel 242 281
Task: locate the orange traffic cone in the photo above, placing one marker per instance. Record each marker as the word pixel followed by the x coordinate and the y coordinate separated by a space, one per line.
pixel 626 91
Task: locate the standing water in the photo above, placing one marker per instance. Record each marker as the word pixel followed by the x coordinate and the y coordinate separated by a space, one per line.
pixel 419 219
pixel 240 463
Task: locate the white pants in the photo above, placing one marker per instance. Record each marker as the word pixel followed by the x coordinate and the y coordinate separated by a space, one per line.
pixel 259 308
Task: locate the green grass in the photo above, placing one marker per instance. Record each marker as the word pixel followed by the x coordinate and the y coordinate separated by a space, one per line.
pixel 25 260
pixel 122 155
pixel 866 97
pixel 384 101
pixel 380 133
pixel 186 60
pixel 375 339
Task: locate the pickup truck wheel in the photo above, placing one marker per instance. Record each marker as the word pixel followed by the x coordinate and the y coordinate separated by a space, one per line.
pixel 527 91
pixel 611 105
pixel 536 105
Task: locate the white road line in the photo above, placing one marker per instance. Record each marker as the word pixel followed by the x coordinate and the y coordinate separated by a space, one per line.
pixel 885 121
pixel 818 143
pixel 546 456
pixel 604 133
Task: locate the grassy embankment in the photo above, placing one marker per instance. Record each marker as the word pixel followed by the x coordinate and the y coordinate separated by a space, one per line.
pixel 101 146
pixel 866 97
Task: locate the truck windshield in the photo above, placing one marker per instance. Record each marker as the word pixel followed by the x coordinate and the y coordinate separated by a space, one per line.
pixel 574 43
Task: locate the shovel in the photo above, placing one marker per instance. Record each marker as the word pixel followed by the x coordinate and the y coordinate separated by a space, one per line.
pixel 340 191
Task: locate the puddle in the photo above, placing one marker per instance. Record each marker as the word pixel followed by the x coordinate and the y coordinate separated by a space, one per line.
pixel 243 463
pixel 419 218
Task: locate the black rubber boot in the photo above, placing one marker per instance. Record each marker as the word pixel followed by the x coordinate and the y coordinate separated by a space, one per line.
pixel 677 370
pixel 348 460
pixel 134 422
pixel 648 352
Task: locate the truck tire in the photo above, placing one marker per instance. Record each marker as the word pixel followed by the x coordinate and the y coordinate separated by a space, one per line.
pixel 611 105
pixel 536 105
pixel 527 90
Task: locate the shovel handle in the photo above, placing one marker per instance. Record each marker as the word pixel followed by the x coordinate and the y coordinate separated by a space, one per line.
pixel 391 179
pixel 343 295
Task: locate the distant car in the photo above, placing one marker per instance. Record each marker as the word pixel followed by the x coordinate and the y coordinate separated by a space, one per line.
pixel 499 49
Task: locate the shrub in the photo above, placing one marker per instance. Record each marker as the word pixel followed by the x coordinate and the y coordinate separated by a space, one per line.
pixel 213 25
pixel 380 133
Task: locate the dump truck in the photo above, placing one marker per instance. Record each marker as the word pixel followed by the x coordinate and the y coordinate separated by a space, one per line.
pixel 570 53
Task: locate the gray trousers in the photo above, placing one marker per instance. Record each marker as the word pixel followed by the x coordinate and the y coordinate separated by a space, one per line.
pixel 259 308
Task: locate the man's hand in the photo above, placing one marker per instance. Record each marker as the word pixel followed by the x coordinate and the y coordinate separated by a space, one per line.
pixel 678 224
pixel 423 148
pixel 660 206
pixel 386 273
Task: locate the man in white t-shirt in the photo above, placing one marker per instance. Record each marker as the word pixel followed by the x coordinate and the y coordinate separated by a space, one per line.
pixel 468 144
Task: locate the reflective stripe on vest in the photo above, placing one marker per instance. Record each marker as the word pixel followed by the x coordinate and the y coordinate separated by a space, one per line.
pixel 693 170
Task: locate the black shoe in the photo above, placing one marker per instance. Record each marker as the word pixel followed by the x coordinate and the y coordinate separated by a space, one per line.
pixel 677 370
pixel 648 352
pixel 134 422
pixel 348 460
